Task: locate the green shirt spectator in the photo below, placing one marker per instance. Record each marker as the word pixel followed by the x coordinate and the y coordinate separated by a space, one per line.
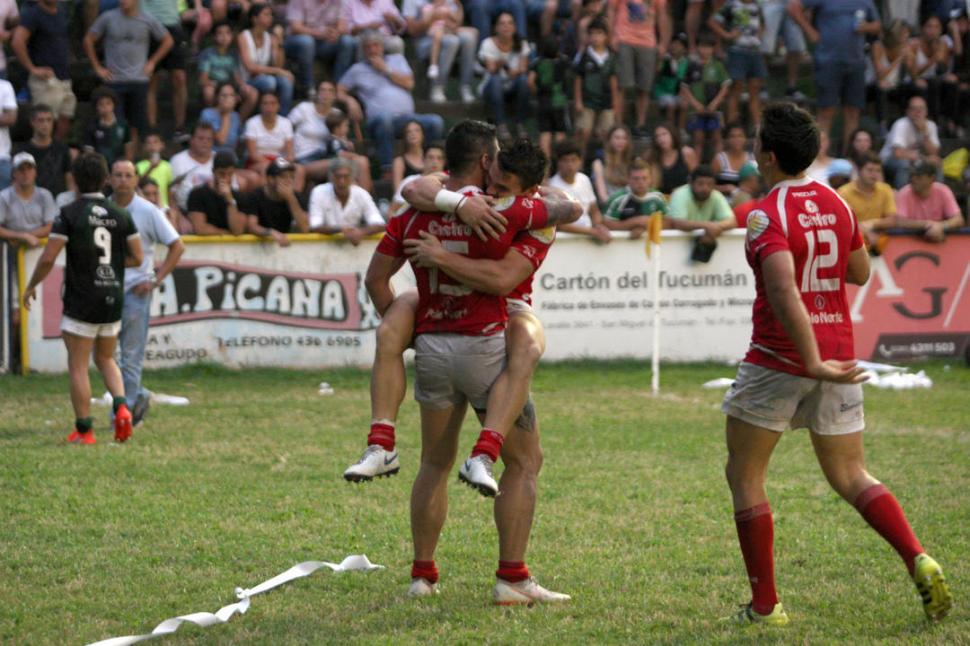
pixel 684 205
pixel 625 204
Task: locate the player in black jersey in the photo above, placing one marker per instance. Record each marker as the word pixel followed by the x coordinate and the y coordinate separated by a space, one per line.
pixel 101 241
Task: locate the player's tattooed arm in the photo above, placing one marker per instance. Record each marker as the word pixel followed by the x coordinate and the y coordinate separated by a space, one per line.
pixel 562 208
pixel 428 193
pixel 378 280
pixel 488 276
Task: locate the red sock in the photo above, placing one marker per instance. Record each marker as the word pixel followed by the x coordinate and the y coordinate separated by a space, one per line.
pixel 382 435
pixel 756 533
pixel 489 443
pixel 426 570
pixel 512 571
pixel 883 513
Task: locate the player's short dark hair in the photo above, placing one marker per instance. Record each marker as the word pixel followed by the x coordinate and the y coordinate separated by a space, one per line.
pixel 466 143
pixel 40 108
pixel 567 147
pixel 89 170
pixel 870 157
pixel 599 24
pixel 334 119
pixel 104 93
pixel 701 170
pixel 791 134
pixel 525 160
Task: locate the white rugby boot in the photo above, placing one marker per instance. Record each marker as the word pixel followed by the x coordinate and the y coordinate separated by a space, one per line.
pixel 421 587
pixel 375 463
pixel 525 592
pixel 476 472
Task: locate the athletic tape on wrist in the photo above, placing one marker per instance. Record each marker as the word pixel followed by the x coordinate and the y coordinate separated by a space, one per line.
pixel 447 201
pixel 357 562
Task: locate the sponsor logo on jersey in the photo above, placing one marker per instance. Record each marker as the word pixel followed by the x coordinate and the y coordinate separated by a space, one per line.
pixel 757 224
pixel 546 235
pixel 826 318
pixel 819 302
pixel 105 272
pixel 817 221
pixel 449 229
pixel 811 206
pixel 503 203
pixel 803 193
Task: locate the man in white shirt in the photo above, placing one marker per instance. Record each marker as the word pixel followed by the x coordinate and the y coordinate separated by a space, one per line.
pixel 341 207
pixel 913 138
pixel 8 117
pixel 569 159
pixel 140 282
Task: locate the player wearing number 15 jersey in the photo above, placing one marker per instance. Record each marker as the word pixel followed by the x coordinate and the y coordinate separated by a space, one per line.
pixel 804 245
pixel 101 240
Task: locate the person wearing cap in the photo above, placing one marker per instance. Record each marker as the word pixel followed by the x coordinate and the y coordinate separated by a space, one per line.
pixel 839 173
pixel 749 185
pixel 342 207
pixel 872 199
pixel 140 282
pixel 926 206
pixel 27 211
pixel 274 209
pixel 212 207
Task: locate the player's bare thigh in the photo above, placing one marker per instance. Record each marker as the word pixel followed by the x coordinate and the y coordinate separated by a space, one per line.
pixel 525 337
pixel 397 324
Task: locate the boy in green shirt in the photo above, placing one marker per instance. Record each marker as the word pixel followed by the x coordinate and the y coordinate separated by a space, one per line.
pixel 630 208
pixel 704 90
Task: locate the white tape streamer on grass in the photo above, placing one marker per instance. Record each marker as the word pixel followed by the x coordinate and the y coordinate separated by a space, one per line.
pixel 206 619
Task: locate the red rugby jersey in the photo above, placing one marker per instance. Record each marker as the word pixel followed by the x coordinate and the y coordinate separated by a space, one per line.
pixel 812 222
pixel 534 245
pixel 445 304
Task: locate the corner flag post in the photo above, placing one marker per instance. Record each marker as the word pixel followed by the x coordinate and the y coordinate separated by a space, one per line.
pixel 653 239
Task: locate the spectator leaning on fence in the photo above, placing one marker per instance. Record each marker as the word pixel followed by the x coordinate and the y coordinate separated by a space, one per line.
pixel 698 206
pixel 630 208
pixel 26 210
pixel 927 206
pixel 8 117
pixel 871 199
pixel 384 84
pixel 276 209
pixel 140 281
pixel 213 207
pixel 342 207
pixel 569 160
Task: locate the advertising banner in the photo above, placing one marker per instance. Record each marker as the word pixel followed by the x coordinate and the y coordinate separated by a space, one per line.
pixel 242 302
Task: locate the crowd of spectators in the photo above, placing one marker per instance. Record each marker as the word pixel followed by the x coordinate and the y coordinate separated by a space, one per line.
pixel 300 116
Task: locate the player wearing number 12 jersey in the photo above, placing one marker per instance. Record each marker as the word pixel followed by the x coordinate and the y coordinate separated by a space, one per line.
pixel 101 240
pixel 804 245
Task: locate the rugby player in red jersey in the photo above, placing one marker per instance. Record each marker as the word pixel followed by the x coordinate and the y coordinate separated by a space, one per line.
pixel 460 351
pixel 804 245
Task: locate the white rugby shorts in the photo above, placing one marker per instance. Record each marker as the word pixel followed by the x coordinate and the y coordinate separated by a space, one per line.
pixel 777 401
pixel 89 330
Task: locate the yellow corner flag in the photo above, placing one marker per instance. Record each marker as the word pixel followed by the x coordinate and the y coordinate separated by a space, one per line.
pixel 654 228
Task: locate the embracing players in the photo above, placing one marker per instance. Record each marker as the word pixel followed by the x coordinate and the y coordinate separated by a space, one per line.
pixel 804 245
pixel 460 352
pixel 101 240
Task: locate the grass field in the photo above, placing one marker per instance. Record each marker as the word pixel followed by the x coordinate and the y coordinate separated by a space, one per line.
pixel 634 517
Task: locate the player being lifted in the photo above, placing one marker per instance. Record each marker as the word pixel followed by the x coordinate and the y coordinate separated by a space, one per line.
pixel 510 277
pixel 460 351
pixel 804 245
pixel 101 241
